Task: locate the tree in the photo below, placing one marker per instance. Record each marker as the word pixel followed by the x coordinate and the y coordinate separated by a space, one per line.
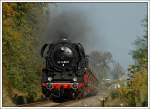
pixel 21 40
pixel 136 93
pixel 99 63
pixel 138 72
pixel 118 70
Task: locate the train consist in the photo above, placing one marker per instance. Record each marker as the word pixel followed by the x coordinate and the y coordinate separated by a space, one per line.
pixel 66 72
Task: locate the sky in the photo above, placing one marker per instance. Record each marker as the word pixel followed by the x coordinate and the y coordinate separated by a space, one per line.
pixel 112 27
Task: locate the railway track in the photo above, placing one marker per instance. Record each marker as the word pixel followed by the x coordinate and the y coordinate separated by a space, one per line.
pixel 49 103
pixel 39 104
pixel 86 101
pixel 90 101
pixel 67 103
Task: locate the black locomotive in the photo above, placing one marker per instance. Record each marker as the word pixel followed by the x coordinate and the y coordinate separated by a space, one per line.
pixel 65 72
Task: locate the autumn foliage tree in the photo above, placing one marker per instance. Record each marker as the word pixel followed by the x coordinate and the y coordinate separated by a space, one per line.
pixel 137 90
pixel 99 63
pixel 135 93
pixel 22 27
pixel 139 81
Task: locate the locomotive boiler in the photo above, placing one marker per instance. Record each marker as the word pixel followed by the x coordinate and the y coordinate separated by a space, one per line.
pixel 66 72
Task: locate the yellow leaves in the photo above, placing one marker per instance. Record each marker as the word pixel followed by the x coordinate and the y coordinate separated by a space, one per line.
pixel 20 30
pixel 11 34
pixel 140 84
pixel 136 93
pixel 140 79
pixel 8 22
pixel 122 91
pixel 16 36
pixel 8 10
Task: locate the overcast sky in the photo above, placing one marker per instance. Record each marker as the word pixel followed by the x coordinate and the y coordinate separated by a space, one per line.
pixel 115 26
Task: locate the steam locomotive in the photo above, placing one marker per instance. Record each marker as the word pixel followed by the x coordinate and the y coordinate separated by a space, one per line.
pixel 66 72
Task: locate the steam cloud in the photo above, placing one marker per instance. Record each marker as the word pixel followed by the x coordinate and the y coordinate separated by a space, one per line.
pixel 72 24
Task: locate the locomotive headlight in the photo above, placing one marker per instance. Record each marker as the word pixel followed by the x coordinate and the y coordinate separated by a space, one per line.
pixel 49 78
pixel 74 79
